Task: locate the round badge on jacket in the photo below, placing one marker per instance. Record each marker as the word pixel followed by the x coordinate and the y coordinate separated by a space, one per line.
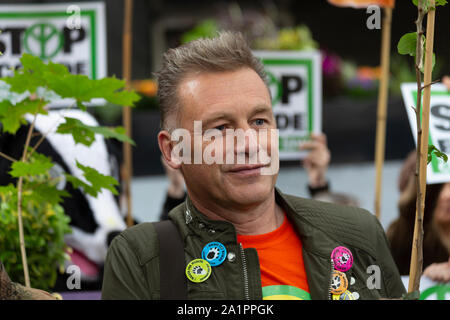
pixel 215 253
pixel 342 258
pixel 339 282
pixel 347 295
pixel 198 270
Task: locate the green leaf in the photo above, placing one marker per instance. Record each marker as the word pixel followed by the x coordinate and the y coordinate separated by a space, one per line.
pixel 12 116
pixel 422 69
pixel 77 183
pixel 81 105
pixel 441 2
pixel 118 133
pixel 123 98
pixel 72 86
pixel 84 89
pixel 39 164
pixel 23 81
pixel 85 134
pixel 57 78
pixel 32 63
pixel 80 132
pixel 57 69
pixel 45 193
pixel 97 181
pixel 10 189
pixel 112 90
pixel 407 44
pixel 427 4
pixel 438 153
pixel 29 77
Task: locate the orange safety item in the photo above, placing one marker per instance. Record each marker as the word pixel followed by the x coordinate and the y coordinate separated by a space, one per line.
pixel 283 275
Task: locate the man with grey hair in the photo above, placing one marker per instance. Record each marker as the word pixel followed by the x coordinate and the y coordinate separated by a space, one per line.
pixel 239 236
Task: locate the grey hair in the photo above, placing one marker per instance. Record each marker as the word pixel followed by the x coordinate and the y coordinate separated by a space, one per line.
pixel 227 52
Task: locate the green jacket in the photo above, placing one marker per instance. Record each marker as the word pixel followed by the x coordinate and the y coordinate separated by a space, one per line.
pixel 132 263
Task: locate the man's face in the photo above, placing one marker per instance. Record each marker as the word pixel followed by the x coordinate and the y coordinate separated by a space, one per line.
pixel 227 101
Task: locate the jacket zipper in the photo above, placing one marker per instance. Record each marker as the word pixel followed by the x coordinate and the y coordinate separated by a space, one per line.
pixel 244 267
pixel 331 280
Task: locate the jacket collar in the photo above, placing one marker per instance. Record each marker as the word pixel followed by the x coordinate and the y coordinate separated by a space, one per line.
pixel 198 223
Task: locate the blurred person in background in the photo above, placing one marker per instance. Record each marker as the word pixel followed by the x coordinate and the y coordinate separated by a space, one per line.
pixel 436 223
pixel 436 243
pixel 441 271
pixel 316 165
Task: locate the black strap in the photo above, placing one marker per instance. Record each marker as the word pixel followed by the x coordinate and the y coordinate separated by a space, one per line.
pixel 171 262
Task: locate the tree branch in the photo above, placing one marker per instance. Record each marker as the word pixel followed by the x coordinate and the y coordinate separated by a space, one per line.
pixel 7 157
pixel 430 84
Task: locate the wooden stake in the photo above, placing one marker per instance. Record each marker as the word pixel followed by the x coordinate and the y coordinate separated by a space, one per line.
pixel 417 245
pixel 382 107
pixel 126 64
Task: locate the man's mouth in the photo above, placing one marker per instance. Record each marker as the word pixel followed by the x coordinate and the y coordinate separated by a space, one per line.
pixel 247 170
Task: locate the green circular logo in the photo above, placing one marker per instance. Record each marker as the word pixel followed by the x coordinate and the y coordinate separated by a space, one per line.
pixel 43 40
pixel 440 291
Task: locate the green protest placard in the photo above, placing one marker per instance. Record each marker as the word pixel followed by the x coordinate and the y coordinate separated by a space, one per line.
pixel 72 34
pixel 438 171
pixel 295 80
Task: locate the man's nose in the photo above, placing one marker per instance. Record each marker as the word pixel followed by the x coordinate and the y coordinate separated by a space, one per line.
pixel 246 141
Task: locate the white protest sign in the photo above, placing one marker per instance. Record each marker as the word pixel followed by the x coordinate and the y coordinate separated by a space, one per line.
pixel 73 34
pixel 437 171
pixel 295 80
pixel 429 289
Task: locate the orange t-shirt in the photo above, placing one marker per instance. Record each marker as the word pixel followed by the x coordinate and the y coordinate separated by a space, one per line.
pixel 283 275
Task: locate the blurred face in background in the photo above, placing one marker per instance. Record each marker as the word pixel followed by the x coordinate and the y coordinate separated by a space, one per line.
pixel 442 212
pixel 227 100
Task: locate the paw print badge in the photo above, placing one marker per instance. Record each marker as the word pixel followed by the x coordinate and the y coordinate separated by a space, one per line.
pixel 342 258
pixel 198 270
pixel 215 253
pixel 339 283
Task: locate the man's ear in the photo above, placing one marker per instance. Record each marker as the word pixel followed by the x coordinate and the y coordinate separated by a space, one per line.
pixel 166 146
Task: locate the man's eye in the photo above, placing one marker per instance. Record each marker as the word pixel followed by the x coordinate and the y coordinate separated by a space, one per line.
pixel 221 127
pixel 260 122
